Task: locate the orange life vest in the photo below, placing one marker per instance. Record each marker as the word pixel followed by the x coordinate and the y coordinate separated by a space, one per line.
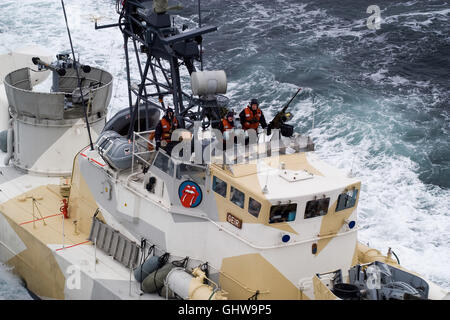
pixel 226 125
pixel 166 128
pixel 249 116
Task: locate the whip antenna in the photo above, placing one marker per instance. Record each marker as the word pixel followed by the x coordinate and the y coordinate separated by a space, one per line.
pixel 78 77
pixel 200 25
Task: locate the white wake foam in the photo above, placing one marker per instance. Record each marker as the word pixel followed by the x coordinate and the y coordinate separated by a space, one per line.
pixel 11 288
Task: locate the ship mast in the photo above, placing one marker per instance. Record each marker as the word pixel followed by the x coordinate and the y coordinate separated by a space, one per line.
pixel 158 43
pixel 76 66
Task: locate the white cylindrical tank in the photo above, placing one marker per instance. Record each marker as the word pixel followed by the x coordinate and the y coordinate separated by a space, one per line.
pixel 207 83
pixel 191 286
pixel 179 281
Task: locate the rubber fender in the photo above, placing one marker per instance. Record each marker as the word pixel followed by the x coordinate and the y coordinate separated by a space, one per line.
pixel 150 265
pixel 155 280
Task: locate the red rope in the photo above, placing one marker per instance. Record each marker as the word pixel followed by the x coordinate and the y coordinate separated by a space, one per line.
pixel 40 219
pixel 73 245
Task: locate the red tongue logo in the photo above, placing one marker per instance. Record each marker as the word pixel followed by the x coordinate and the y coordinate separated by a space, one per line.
pixel 189 196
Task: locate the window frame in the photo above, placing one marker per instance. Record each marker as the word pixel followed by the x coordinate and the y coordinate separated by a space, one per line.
pixel 287 205
pixel 353 198
pixel 231 195
pixel 191 177
pixel 171 164
pixel 248 208
pixel 213 187
pixel 327 199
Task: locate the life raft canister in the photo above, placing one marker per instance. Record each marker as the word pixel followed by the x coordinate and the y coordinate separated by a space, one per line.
pixel 249 116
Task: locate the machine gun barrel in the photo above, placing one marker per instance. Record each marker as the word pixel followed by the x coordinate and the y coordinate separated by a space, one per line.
pixel 298 91
pixel 281 117
pixel 61 71
pixel 37 61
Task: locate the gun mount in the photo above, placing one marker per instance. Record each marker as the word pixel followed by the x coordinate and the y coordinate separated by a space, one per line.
pixel 280 119
pixel 46 128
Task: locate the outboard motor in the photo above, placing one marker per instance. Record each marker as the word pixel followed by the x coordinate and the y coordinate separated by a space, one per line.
pixel 380 281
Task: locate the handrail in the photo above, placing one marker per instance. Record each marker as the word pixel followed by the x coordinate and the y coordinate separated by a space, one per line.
pixel 283 245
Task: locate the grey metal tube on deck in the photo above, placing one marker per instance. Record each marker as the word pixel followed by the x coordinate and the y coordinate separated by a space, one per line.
pixel 9 142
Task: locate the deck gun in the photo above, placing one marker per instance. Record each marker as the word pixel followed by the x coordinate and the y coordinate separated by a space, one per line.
pixel 278 122
pixel 45 66
pixel 63 62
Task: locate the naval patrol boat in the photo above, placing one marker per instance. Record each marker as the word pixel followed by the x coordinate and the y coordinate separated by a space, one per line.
pixel 90 210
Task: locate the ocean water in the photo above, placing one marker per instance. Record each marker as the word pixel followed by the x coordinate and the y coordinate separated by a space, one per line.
pixel 376 102
pixel 11 288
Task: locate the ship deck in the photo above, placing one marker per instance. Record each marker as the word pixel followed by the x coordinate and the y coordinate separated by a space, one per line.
pixel 47 250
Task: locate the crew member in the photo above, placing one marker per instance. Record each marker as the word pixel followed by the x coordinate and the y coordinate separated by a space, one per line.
pixel 251 117
pixel 165 127
pixel 227 122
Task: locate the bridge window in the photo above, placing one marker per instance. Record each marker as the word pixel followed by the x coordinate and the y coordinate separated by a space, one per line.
pixel 190 172
pixel 164 163
pixel 317 208
pixel 283 213
pixel 254 207
pixel 237 197
pixel 220 187
pixel 346 200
